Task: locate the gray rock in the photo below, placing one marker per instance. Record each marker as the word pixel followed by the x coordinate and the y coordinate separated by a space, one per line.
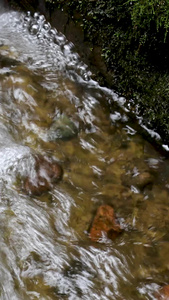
pixel 62 128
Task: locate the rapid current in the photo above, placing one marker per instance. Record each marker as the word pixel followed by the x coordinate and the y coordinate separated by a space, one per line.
pixel 50 105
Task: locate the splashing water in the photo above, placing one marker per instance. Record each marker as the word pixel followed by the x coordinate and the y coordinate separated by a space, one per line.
pixel 46 252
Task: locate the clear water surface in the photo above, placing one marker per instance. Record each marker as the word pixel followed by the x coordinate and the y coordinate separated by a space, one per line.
pixel 45 249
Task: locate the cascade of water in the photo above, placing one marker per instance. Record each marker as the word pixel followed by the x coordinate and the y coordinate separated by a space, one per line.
pixel 52 112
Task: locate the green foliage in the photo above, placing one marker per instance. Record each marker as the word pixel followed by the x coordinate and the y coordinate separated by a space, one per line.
pixel 148 14
pixel 134 36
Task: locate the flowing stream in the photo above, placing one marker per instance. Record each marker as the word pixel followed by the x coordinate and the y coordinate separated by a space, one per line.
pixel 45 249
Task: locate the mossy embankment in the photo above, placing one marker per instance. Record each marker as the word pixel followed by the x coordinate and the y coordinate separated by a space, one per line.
pixel 130 42
pixel 134 42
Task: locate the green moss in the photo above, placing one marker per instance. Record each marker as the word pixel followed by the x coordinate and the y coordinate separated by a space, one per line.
pixel 134 39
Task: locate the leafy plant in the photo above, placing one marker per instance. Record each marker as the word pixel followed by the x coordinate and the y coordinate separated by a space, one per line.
pixel 150 15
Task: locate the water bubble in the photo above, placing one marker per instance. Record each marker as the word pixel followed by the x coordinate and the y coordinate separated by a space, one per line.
pixel 27 19
pixel 28 14
pixel 36 15
pixel 46 26
pixel 42 18
pixel 34 29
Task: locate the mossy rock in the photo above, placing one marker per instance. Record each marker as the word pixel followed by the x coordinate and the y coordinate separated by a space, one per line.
pixel 62 128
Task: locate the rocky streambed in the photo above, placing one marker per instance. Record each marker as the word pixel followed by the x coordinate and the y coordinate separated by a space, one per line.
pixel 83 196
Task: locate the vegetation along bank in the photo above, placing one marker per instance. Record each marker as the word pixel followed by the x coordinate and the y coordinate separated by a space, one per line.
pixel 128 42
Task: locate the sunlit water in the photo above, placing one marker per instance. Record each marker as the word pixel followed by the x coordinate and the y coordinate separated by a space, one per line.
pixel 45 249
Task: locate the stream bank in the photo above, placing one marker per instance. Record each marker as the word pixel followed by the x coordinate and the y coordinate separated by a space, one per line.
pixel 134 64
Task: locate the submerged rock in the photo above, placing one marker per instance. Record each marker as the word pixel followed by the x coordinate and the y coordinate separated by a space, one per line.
pixel 62 128
pixel 140 180
pixel 163 293
pixel 46 173
pixel 104 223
pixel 7 62
pixel 143 179
pixel 20 165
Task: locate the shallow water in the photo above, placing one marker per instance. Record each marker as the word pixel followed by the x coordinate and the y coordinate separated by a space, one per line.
pixel 46 252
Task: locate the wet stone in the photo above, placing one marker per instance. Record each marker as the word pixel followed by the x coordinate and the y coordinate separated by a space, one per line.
pixel 163 293
pixel 143 179
pixel 62 128
pixel 7 62
pixel 140 180
pixel 47 173
pixel 104 223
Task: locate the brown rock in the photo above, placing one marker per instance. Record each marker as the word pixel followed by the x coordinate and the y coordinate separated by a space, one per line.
pixel 104 222
pixel 46 174
pixel 163 293
pixel 143 179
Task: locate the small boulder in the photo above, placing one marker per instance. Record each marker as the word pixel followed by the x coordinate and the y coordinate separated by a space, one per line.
pixel 7 62
pixel 46 173
pixel 140 180
pixel 62 128
pixel 104 223
pixel 143 179
pixel 163 293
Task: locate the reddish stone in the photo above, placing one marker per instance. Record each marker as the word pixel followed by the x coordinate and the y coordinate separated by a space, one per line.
pixel 163 293
pixel 46 174
pixel 104 222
